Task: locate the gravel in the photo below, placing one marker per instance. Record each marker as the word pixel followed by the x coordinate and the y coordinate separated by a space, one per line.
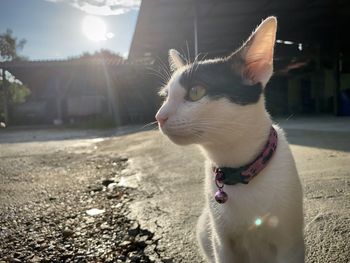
pixel 71 217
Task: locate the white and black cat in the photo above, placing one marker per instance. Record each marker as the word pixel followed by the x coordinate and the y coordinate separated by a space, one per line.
pixel 253 210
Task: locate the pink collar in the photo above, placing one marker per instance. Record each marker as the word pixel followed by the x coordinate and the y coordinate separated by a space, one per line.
pixel 244 174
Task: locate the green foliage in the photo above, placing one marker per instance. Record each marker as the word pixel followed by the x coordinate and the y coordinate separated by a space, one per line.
pixel 17 93
pixel 9 46
pixel 103 54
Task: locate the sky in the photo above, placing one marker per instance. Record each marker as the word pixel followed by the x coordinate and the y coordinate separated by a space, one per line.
pixel 57 29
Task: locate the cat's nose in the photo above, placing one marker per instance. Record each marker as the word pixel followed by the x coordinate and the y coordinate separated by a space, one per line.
pixel 161 120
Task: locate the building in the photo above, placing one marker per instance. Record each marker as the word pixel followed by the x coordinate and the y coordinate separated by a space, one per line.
pixel 103 90
pixel 312 61
pixel 312 56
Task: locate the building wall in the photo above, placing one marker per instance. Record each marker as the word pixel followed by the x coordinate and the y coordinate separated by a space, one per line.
pixel 120 94
pixel 322 88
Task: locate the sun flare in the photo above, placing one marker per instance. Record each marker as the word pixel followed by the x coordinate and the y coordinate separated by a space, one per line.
pixel 95 29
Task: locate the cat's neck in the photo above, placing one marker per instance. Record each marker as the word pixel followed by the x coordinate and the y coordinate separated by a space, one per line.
pixel 235 150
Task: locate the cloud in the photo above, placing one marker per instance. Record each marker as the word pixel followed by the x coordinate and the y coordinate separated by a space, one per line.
pixel 103 7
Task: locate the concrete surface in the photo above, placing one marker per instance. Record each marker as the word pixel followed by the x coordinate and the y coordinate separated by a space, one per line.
pixel 171 177
pixel 168 180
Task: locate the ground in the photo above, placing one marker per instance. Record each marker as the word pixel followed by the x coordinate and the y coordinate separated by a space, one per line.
pixel 148 192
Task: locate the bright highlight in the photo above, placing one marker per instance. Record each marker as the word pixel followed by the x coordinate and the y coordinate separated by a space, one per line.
pixel 258 222
pixel 95 29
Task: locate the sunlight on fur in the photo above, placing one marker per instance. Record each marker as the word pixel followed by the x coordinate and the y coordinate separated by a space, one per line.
pixel 219 105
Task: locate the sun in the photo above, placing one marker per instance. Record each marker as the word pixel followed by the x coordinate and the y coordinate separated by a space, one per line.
pixel 95 29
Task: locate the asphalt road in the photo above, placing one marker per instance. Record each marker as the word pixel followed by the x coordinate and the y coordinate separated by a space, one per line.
pixel 167 181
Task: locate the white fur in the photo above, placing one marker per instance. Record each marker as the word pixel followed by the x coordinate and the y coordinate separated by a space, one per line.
pixel 274 196
pixel 232 135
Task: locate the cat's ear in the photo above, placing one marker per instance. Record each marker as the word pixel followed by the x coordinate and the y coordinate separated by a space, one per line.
pixel 176 61
pixel 257 53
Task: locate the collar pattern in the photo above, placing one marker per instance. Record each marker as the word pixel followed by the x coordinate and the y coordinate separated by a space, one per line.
pixel 244 174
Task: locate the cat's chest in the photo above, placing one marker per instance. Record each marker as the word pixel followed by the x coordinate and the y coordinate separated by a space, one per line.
pixel 246 203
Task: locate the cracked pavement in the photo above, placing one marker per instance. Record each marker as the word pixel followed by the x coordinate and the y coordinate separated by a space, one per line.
pixel 166 181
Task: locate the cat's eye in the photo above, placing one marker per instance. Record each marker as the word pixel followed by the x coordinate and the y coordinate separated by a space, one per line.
pixel 196 93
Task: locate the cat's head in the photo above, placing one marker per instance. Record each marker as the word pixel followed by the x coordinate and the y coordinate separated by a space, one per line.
pixel 207 98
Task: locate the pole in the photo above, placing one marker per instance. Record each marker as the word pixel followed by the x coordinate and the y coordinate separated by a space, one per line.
pixel 195 29
pixel 337 61
pixel 337 75
pixel 5 94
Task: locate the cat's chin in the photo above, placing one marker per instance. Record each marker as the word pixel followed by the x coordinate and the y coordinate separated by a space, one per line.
pixel 180 139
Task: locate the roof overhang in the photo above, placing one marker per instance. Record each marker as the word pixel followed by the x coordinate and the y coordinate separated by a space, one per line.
pixel 223 25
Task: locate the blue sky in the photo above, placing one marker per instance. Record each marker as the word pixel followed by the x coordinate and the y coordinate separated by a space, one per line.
pixel 53 28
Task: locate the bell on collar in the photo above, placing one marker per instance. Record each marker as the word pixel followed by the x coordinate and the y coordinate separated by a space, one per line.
pixel 220 196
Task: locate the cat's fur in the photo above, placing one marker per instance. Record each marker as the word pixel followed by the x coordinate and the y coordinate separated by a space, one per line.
pixel 231 126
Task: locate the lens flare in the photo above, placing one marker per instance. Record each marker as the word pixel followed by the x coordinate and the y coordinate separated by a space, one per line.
pixel 273 221
pixel 258 222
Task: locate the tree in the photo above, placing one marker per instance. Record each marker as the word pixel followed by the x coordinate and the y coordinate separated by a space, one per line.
pixel 9 46
pixel 13 92
pixel 16 93
pixel 102 54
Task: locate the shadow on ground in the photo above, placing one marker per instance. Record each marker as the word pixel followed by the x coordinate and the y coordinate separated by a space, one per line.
pixel 323 132
pixel 331 140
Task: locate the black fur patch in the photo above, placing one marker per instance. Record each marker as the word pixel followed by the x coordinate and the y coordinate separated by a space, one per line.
pixel 221 81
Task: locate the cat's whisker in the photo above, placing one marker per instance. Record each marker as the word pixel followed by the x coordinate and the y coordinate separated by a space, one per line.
pixel 197 60
pixel 220 130
pixel 223 130
pixel 149 124
pixel 165 75
pixel 246 122
pixel 195 65
pixel 225 123
pixel 152 71
pixel 157 74
pixel 188 51
pixel 164 68
pixel 185 56
pixel 204 56
pixel 208 125
pixel 219 126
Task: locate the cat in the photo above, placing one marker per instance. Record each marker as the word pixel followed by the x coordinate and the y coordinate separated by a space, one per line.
pixel 219 105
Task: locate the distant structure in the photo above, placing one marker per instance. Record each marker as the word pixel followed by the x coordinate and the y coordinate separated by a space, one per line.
pixel 312 57
pixel 312 62
pixel 102 90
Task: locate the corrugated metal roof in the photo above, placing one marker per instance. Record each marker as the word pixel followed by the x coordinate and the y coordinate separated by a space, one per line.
pixel 224 24
pixel 63 62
